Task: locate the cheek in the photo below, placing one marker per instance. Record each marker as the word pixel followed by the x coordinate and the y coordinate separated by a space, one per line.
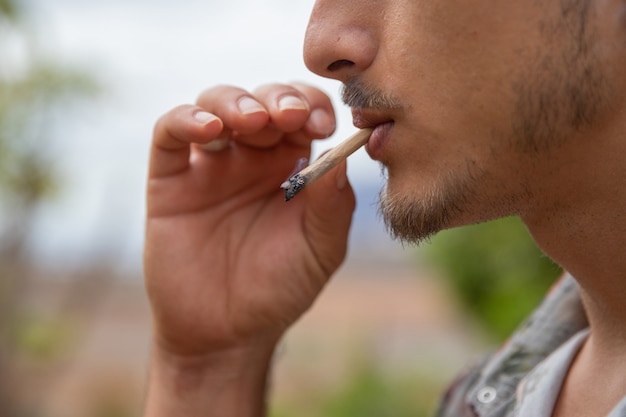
pixel 457 66
pixel 452 105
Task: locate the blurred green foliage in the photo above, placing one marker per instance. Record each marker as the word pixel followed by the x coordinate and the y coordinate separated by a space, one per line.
pixel 29 104
pixel 495 270
pixel 369 392
pixel 35 94
pixel 8 8
pixel 42 338
pixel 110 407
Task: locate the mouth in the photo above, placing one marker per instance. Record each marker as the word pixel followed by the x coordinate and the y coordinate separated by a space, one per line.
pixel 382 126
pixel 364 119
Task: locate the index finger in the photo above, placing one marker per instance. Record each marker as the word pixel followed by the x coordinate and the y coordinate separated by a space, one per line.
pixel 318 121
pixel 173 134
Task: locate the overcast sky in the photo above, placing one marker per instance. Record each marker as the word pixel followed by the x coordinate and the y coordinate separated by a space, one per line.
pixel 151 56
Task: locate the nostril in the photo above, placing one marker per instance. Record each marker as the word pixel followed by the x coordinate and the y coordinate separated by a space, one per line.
pixel 340 64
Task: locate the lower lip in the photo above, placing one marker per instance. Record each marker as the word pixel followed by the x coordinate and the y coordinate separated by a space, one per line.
pixel 378 139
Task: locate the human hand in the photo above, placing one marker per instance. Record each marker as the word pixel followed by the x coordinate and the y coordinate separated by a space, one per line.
pixel 228 264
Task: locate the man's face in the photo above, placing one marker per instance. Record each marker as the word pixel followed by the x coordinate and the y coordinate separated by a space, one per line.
pixel 471 97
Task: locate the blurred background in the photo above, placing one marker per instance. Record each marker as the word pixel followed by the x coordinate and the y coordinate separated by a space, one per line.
pixel 81 85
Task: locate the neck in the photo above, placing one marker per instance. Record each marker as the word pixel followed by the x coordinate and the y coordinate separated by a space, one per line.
pixel 580 222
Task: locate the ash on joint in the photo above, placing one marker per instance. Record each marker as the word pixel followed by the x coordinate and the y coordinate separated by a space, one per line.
pixel 293 186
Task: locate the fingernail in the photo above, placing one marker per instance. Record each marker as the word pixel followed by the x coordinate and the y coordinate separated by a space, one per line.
pixel 249 105
pixel 321 122
pixel 216 145
pixel 204 117
pixel 291 103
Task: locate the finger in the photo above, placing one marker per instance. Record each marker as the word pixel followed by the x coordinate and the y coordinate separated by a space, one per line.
pixel 239 110
pixel 321 123
pixel 275 112
pixel 173 134
pixel 288 111
pixel 303 111
pixel 288 108
pixel 330 204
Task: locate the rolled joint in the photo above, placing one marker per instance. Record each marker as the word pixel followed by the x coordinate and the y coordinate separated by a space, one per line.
pixel 293 186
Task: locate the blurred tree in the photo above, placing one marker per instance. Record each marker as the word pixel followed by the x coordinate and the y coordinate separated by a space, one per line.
pixel 495 270
pixel 370 393
pixel 8 9
pixel 32 90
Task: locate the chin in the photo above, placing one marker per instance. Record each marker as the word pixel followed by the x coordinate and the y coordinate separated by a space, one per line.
pixel 415 210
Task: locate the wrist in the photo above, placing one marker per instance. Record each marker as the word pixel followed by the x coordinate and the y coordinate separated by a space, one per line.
pixel 229 383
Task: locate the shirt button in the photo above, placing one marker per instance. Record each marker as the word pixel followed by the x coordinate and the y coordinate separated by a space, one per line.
pixel 487 395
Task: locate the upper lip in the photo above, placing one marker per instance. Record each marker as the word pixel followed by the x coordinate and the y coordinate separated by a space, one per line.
pixel 364 118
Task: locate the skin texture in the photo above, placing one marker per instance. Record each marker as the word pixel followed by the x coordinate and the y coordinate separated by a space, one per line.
pixel 498 108
pixel 468 139
pixel 228 264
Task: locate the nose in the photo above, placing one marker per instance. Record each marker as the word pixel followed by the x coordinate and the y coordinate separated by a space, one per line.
pixel 339 43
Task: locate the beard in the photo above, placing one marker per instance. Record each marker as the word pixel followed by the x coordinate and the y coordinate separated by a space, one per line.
pixel 563 92
pixel 413 220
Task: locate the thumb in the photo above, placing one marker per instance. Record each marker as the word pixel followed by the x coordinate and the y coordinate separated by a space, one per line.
pixel 328 215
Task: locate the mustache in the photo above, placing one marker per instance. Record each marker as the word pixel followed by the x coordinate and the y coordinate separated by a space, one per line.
pixel 357 94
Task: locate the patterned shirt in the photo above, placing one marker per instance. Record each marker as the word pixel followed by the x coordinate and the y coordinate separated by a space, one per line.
pixel 524 377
